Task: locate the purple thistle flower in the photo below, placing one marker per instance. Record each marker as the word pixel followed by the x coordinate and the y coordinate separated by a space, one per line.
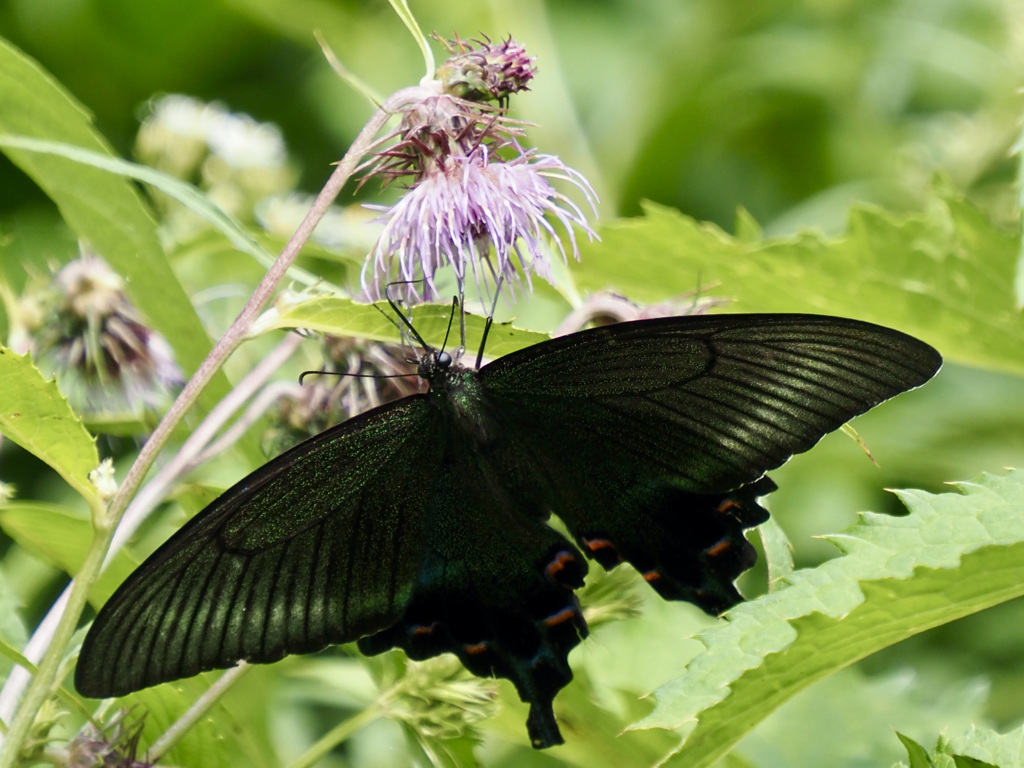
pixel 475 195
pixel 468 204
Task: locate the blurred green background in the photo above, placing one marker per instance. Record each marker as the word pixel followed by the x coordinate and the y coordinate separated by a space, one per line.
pixel 791 110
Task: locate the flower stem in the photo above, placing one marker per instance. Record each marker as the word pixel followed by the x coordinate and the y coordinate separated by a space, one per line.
pixel 336 736
pixel 105 521
pixel 196 712
pixel 44 678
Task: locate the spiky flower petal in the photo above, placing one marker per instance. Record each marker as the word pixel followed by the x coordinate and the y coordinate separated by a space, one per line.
pixel 472 209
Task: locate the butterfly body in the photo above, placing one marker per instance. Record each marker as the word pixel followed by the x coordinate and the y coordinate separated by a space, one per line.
pixel 423 524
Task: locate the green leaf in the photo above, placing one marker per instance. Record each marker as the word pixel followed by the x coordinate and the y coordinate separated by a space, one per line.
pixel 102 208
pixel 985 747
pixel 12 628
pixel 184 193
pixel 996 750
pixel 918 755
pixel 778 552
pixel 953 555
pixel 59 536
pixel 946 275
pixel 203 744
pixel 35 415
pixel 343 317
pixel 963 761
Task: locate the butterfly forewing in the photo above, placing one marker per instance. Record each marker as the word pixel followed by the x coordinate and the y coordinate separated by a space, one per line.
pixel 711 401
pixel 651 451
pixel 319 546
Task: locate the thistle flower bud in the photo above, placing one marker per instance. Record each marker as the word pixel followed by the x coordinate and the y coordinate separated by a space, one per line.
pixel 108 363
pixel 480 70
pixel 439 698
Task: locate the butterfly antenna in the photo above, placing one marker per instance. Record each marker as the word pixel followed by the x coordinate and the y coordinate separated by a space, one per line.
pixel 490 321
pixel 451 318
pixel 401 315
pixel 462 319
pixel 343 374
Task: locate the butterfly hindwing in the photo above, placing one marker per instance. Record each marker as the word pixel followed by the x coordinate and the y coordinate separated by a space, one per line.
pixel 319 546
pixel 497 586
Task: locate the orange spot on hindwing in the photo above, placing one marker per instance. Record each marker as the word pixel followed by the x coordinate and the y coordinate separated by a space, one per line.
pixel 716 549
pixel 561 617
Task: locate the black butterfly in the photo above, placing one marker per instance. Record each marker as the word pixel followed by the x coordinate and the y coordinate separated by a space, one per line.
pixel 422 523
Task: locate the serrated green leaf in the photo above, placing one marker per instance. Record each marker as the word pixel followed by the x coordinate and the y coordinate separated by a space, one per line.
pixel 344 317
pixel 103 209
pixel 988 748
pixel 953 555
pixel 946 275
pixel 62 538
pixel 35 415
pixel 778 552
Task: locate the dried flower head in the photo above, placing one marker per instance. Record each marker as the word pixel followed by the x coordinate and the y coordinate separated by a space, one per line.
pixel 107 361
pixel 116 745
pixel 368 374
